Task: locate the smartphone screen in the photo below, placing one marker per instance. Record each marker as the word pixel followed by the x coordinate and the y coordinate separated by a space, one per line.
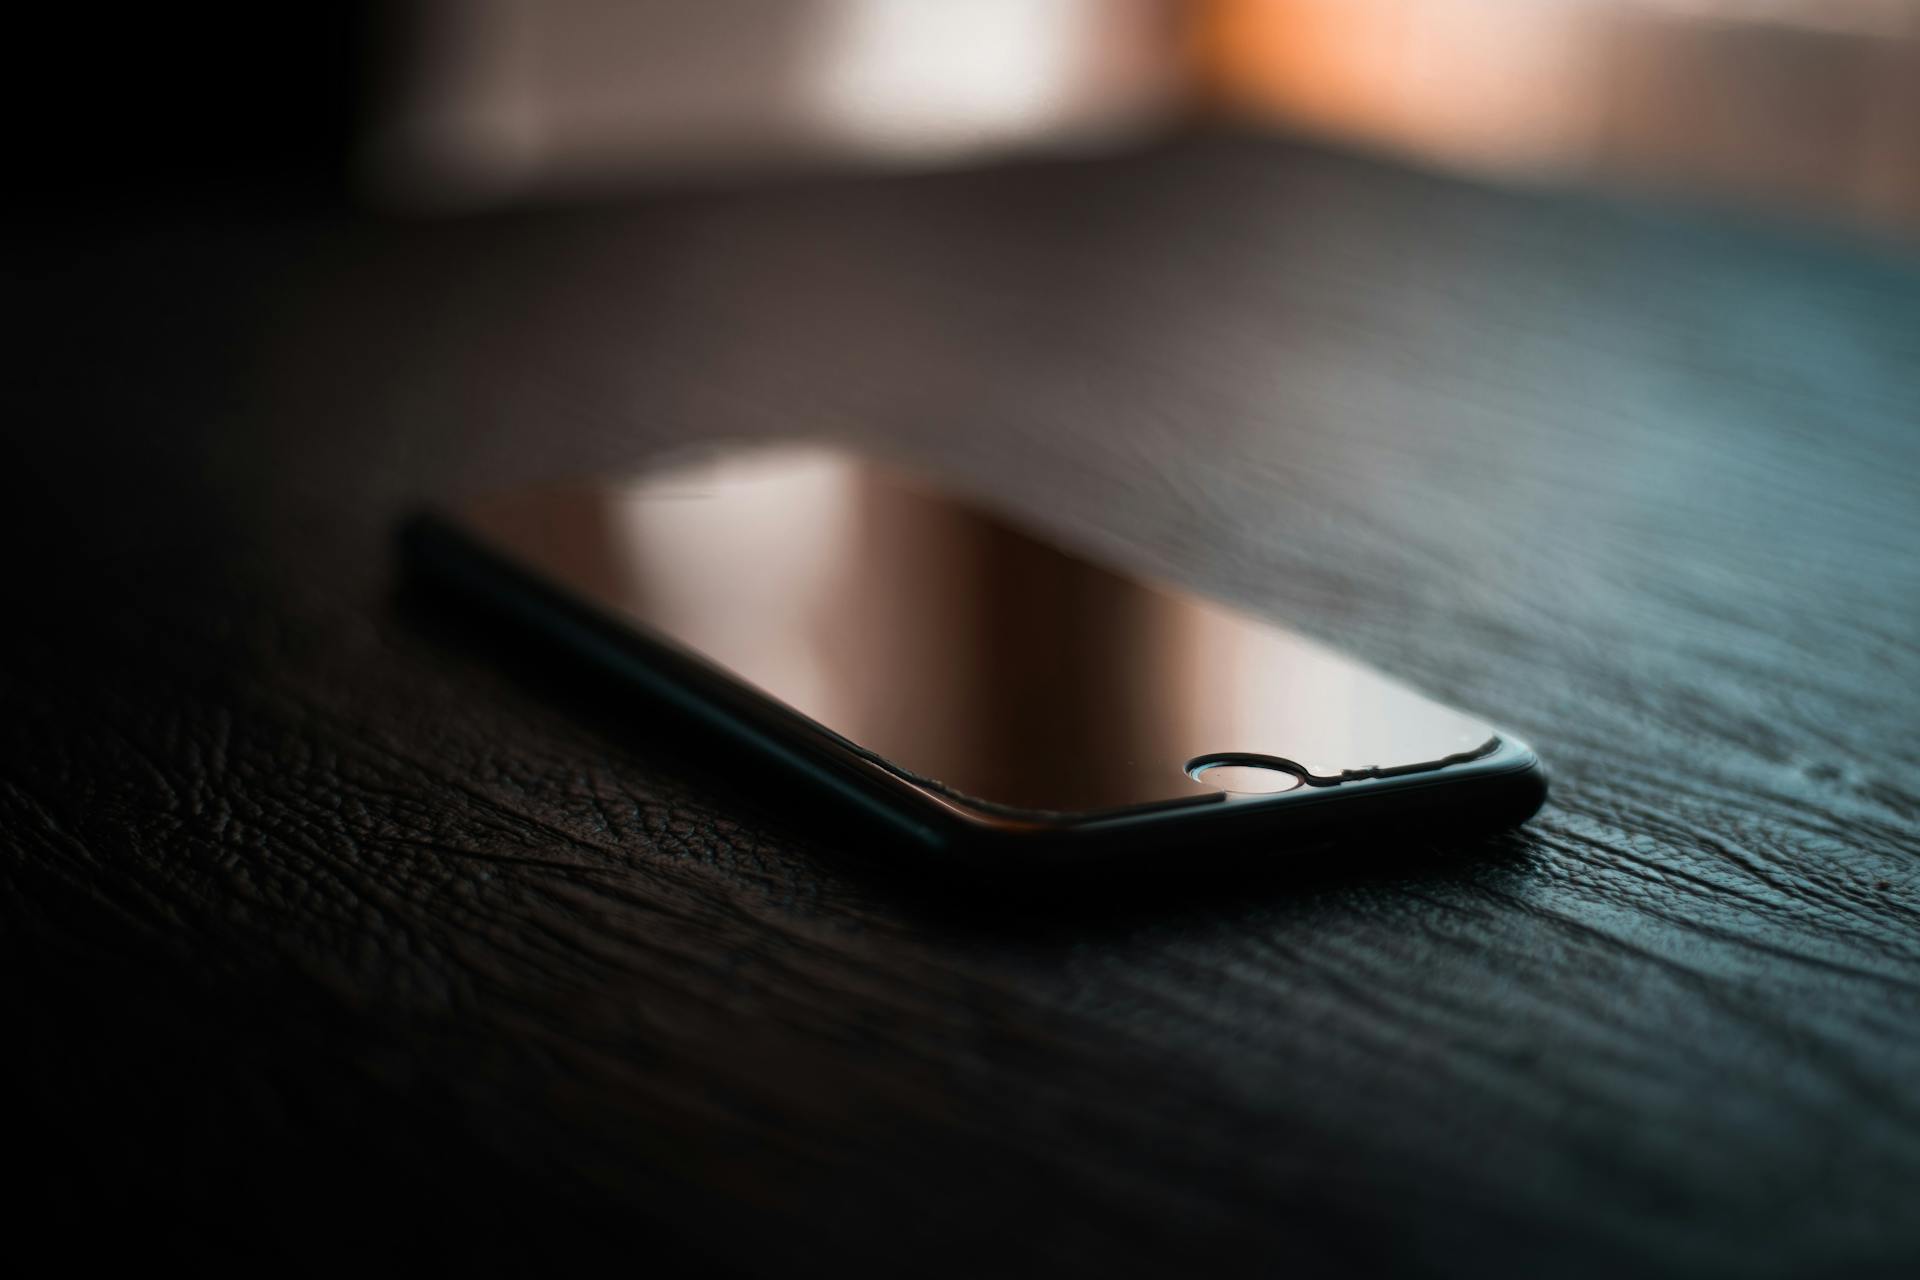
pixel 938 637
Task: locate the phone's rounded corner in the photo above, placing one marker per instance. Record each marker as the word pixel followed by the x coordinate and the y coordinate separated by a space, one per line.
pixel 1522 776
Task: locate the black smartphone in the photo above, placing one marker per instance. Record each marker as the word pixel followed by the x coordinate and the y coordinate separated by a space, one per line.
pixel 989 696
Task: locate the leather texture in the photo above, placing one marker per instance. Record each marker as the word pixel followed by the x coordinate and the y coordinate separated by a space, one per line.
pixel 329 913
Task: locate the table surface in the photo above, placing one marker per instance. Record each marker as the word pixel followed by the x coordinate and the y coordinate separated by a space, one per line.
pixel 327 911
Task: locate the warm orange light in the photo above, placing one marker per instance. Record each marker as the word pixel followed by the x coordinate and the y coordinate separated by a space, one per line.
pixel 1808 103
pixel 1501 84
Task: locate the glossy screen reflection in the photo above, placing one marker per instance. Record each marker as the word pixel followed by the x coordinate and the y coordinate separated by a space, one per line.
pixel 955 647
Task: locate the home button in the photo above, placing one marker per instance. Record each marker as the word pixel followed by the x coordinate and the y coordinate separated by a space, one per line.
pixel 1245 775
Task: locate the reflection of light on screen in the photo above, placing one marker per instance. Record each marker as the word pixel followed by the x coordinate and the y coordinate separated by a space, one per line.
pixel 777 558
pixel 951 644
pixel 1239 686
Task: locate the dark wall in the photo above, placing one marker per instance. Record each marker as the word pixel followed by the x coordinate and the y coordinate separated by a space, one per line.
pixel 119 102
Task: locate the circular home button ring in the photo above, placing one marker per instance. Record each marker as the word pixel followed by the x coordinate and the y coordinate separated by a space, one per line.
pixel 1244 775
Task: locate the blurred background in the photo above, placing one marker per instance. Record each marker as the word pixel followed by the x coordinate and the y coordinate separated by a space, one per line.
pixel 1808 107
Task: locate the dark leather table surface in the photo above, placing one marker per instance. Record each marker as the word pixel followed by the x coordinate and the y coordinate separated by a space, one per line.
pixel 329 913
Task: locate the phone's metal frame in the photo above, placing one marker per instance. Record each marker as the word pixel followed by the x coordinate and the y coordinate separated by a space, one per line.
pixel 1501 787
